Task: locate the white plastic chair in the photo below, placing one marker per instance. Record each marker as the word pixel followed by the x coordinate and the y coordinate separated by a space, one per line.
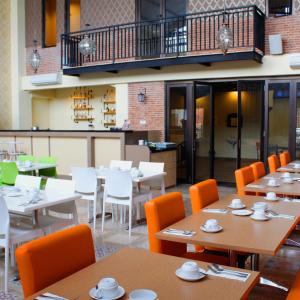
pixel 124 165
pixel 11 236
pixel 87 186
pixel 118 190
pixel 62 215
pixel 28 182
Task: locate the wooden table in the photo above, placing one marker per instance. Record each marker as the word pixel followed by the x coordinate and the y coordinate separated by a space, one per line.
pixel 239 233
pixel 290 167
pixel 138 268
pixel 285 189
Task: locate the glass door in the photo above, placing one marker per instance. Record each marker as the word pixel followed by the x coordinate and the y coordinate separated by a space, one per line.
pixel 298 120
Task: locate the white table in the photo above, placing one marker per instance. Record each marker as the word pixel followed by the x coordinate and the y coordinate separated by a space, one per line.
pixel 35 167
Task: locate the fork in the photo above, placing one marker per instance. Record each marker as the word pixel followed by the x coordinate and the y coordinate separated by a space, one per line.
pixel 216 271
pixel 221 269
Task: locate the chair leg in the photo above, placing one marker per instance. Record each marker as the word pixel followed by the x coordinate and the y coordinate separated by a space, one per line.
pixel 103 215
pixel 130 219
pixel 88 211
pixel 6 270
pixel 94 213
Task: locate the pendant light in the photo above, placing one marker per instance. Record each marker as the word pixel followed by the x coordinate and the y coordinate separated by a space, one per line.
pixel 87 46
pixel 35 59
pixel 225 36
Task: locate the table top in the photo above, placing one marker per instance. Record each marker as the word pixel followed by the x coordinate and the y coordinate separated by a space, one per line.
pixel 239 233
pixel 137 268
pixel 290 167
pixel 35 167
pixel 48 198
pixel 261 185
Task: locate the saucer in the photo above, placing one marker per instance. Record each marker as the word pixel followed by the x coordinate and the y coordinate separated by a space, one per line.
pixel 219 228
pixel 275 199
pixel 273 185
pixel 143 294
pixel 260 219
pixel 242 212
pixel 199 276
pixel 237 207
pixel 121 293
pixel 290 182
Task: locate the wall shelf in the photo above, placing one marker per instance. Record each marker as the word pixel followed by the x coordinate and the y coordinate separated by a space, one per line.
pixel 109 113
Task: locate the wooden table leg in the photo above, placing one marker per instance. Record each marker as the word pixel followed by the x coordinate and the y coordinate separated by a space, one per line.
pixel 232 258
pixel 35 218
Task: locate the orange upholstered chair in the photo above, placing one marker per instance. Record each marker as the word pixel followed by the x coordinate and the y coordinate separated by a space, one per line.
pixel 49 259
pixel 285 158
pixel 164 211
pixel 274 163
pixel 243 177
pixel 294 293
pixel 258 169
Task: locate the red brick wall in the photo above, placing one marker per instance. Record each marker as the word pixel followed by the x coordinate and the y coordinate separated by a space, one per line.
pixel 153 110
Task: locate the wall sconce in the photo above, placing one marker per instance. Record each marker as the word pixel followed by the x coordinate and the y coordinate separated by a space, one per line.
pixel 142 96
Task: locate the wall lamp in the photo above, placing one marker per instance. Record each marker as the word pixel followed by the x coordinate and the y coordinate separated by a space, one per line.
pixel 142 96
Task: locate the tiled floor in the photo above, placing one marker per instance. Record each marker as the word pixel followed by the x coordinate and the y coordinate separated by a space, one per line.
pixel 281 268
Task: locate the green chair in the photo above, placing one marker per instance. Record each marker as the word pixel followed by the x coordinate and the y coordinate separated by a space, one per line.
pixel 23 158
pixel 9 172
pixel 51 172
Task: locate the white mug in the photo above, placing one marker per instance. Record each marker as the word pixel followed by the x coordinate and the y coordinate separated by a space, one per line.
pixel 236 203
pixel 190 268
pixel 272 182
pixel 141 142
pixel 271 196
pixel 287 180
pixel 260 206
pixel 211 224
pixel 259 214
pixel 107 288
pixel 286 175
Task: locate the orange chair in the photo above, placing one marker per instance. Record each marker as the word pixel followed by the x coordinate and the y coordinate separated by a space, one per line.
pixel 274 163
pixel 285 158
pixel 243 177
pixel 294 293
pixel 164 211
pixel 49 259
pixel 258 169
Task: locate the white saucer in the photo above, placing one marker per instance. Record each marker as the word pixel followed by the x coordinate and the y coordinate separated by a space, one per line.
pixel 276 199
pixel 121 293
pixel 211 231
pixel 199 276
pixel 235 207
pixel 143 294
pixel 242 212
pixel 273 185
pixel 291 182
pixel 260 219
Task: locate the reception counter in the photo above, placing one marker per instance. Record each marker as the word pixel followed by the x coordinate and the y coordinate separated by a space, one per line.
pixel 76 148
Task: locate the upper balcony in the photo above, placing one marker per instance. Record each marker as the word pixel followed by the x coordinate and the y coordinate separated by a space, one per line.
pixel 188 39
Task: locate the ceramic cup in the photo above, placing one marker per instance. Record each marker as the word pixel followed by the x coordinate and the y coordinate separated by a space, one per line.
pixel 107 288
pixel 27 163
pixel 141 142
pixel 236 203
pixel 260 206
pixel 190 268
pixel 297 166
pixel 211 224
pixel 272 182
pixel 286 175
pixel 259 214
pixel 271 196
pixel 287 180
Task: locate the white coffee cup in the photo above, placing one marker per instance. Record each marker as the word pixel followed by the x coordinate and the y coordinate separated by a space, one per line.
pixel 141 142
pixel 236 203
pixel 189 268
pixel 260 206
pixel 211 224
pixel 297 166
pixel 107 288
pixel 272 182
pixel 286 175
pixel 259 214
pixel 271 196
pixel 287 180
pixel 27 163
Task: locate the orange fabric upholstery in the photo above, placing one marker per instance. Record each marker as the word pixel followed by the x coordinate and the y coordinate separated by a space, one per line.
pixel 203 194
pixel 294 293
pixel 274 163
pixel 49 259
pixel 243 177
pixel 164 211
pixel 258 169
pixel 285 158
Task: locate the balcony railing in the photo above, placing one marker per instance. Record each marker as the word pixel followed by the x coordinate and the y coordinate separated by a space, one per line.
pixel 191 35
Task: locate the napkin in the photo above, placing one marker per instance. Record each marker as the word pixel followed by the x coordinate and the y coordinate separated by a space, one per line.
pixel 229 276
pixel 281 216
pixel 256 186
pixel 296 200
pixel 50 296
pixel 215 210
pixel 179 233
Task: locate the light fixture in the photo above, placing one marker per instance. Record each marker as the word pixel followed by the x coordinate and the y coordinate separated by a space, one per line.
pixel 35 59
pixel 225 35
pixel 87 46
pixel 142 96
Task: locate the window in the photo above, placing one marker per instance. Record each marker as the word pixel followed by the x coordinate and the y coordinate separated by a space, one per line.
pixel 280 8
pixel 72 17
pixel 49 23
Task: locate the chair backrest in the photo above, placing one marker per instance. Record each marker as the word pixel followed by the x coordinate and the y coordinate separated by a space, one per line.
pixel 274 163
pixel 243 177
pixel 9 172
pixel 49 259
pixel 203 193
pixel 28 182
pixel 285 158
pixel 124 165
pixel 49 172
pixel 161 212
pixel 118 184
pixel 23 158
pixel 258 169
pixel 4 219
pixel 67 186
pixel 85 180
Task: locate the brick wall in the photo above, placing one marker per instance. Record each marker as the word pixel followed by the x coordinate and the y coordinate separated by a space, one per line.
pixel 153 110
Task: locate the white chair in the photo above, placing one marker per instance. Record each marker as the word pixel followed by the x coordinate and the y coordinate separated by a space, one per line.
pixel 12 236
pixel 119 190
pixel 61 215
pixel 124 165
pixel 87 186
pixel 28 182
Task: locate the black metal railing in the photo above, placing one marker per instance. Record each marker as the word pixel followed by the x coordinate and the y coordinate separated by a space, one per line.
pixel 192 34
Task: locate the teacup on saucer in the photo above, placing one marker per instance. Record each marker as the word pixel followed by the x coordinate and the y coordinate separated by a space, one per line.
pixel 236 204
pixel 297 166
pixel 108 288
pixel 286 175
pixel 288 180
pixel 190 271
pixel 142 294
pixel 259 215
pixel 211 225
pixel 271 196
pixel 260 206
pixel 272 182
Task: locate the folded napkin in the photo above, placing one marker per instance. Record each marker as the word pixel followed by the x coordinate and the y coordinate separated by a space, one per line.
pixel 229 276
pixel 215 210
pixel 281 216
pixel 180 232
pixel 50 296
pixel 296 200
pixel 256 186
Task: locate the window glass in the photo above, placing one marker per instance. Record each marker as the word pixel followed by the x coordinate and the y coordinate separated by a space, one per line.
pixel 280 7
pixel 49 23
pixel 298 123
pixel 175 8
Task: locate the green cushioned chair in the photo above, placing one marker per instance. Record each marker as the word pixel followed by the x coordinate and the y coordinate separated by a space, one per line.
pixel 51 172
pixel 22 158
pixel 9 172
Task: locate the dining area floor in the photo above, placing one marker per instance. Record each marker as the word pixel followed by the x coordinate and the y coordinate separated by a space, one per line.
pixel 281 269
